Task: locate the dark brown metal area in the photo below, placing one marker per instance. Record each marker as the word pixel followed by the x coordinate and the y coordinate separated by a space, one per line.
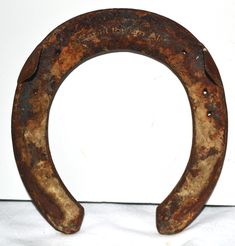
pixel 100 32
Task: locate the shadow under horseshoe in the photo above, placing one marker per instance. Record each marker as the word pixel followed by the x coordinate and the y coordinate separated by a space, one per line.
pixel 113 30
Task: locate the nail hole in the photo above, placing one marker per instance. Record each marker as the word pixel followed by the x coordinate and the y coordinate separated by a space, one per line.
pixel 205 92
pixel 57 51
pixel 184 52
pixel 209 114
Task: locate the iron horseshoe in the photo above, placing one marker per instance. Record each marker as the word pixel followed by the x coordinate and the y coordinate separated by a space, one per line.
pixel 100 32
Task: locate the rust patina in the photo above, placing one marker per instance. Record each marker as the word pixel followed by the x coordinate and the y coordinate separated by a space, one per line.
pixel 100 32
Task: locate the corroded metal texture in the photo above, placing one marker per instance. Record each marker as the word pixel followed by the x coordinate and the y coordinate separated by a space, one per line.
pixel 100 32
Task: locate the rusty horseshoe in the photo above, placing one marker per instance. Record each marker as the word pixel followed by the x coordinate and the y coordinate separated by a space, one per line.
pixel 100 32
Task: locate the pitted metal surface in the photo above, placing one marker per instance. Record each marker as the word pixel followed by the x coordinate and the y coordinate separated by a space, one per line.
pixel 100 32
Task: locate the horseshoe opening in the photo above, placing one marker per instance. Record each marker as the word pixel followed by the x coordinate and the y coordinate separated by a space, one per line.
pixel 120 122
pixel 97 33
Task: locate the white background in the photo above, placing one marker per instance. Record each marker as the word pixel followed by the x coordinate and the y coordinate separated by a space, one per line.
pixel 120 125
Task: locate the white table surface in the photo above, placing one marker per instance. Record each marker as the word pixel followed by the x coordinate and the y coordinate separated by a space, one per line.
pixel 113 224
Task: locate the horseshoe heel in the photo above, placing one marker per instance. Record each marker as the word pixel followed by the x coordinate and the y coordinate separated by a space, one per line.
pixel 100 32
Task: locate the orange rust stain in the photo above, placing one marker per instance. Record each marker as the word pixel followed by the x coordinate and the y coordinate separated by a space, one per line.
pixel 69 56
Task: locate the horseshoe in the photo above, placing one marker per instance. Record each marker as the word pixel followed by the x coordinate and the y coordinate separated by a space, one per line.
pixel 100 32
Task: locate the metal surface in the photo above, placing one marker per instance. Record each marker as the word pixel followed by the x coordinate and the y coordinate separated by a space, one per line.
pixel 110 30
